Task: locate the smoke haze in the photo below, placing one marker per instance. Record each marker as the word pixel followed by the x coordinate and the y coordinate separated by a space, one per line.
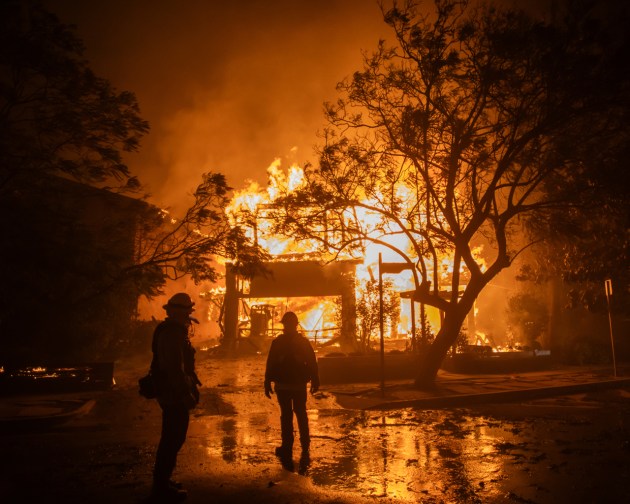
pixel 226 86
pixel 229 86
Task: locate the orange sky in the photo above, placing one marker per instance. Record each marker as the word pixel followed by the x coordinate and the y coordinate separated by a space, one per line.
pixel 226 86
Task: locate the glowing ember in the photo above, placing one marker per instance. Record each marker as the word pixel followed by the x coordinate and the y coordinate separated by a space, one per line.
pixel 250 208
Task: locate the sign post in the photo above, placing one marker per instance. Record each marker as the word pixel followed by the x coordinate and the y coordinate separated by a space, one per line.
pixel 386 267
pixel 380 319
pixel 609 291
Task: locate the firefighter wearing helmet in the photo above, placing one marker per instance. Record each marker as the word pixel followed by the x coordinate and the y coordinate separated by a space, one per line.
pixel 173 368
pixel 291 365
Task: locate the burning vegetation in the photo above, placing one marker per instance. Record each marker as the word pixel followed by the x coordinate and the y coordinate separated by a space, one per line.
pixel 449 154
pixel 256 210
pixel 440 156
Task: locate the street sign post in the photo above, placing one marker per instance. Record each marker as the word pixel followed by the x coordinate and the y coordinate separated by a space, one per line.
pixel 394 268
pixel 609 291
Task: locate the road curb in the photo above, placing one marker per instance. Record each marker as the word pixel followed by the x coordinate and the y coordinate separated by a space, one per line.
pixel 37 421
pixel 495 397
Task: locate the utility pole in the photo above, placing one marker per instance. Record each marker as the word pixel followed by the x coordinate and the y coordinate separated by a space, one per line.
pixel 380 320
pixel 388 267
pixel 609 291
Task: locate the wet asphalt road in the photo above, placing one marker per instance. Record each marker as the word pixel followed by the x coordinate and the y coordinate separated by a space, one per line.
pixel 568 449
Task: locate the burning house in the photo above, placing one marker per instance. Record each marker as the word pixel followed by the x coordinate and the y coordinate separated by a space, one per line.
pixel 323 292
pixel 290 279
pixel 298 271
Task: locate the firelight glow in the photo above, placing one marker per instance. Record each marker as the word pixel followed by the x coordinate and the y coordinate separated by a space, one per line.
pixel 249 208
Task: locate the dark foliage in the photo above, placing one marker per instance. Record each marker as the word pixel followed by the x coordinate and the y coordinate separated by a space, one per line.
pixel 478 112
pixel 56 115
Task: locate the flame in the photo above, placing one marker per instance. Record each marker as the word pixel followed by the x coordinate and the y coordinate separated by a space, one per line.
pixel 250 206
pixel 315 314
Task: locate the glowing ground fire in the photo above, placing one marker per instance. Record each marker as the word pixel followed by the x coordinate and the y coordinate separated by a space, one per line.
pixel 251 208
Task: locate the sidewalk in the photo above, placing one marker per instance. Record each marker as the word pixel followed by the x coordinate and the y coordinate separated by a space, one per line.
pixel 42 411
pixel 451 390
pixel 458 390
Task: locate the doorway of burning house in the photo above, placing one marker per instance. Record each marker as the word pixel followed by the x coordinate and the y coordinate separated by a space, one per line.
pixel 286 279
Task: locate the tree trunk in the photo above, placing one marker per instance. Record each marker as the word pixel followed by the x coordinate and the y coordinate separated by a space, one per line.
pixel 431 361
pixel 556 333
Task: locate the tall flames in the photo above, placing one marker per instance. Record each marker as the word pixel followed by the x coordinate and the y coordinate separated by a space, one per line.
pixel 249 209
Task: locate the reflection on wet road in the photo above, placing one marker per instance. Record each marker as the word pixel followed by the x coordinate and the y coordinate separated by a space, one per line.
pixel 401 455
pixel 428 456
pixel 564 449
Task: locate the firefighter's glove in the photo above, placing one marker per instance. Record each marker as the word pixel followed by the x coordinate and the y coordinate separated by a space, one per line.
pixel 314 387
pixel 268 389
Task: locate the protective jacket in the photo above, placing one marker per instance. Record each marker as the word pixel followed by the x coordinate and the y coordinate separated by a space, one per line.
pixel 173 365
pixel 291 362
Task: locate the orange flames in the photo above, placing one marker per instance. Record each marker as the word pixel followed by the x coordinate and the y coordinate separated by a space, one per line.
pixel 249 208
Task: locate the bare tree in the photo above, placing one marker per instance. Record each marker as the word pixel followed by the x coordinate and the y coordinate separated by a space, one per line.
pixel 439 147
pixel 190 245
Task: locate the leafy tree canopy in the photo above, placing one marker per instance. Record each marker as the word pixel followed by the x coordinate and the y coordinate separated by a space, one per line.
pixel 79 255
pixel 442 145
pixel 56 115
pixel 58 118
pixel 587 240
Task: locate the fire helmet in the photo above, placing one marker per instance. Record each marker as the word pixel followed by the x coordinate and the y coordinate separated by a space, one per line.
pixel 290 318
pixel 180 300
